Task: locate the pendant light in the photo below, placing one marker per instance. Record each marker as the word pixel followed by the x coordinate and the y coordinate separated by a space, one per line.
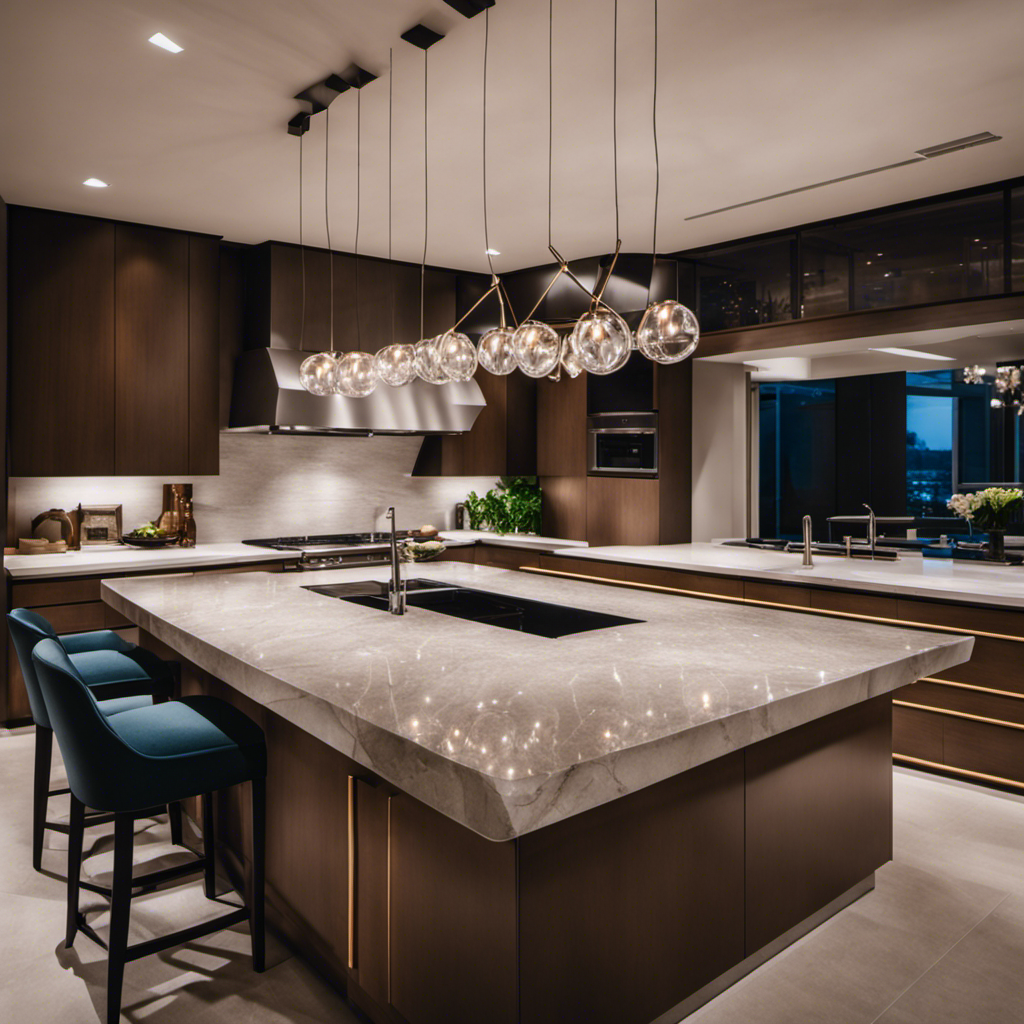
pixel 601 341
pixel 316 374
pixel 668 332
pixel 395 363
pixel 355 374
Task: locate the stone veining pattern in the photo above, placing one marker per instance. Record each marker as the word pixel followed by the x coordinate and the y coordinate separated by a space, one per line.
pixel 506 732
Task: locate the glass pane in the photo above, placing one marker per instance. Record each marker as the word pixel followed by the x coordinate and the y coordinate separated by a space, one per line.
pixel 1017 240
pixel 744 285
pixel 933 253
pixel 929 452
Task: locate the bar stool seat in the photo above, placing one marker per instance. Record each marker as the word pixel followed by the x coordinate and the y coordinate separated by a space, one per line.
pixel 127 762
pixel 121 675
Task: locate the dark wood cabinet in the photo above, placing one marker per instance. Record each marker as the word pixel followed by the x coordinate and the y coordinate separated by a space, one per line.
pixel 114 348
pixel 61 294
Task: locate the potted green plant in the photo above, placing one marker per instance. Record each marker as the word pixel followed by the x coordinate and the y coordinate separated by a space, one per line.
pixel 990 510
pixel 513 505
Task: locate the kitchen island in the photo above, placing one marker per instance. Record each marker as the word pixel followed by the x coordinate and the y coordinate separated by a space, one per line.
pixel 467 822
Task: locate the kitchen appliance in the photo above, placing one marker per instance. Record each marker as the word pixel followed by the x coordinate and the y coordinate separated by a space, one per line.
pixel 99 524
pixel 172 516
pixel 623 444
pixel 335 550
pixel 56 525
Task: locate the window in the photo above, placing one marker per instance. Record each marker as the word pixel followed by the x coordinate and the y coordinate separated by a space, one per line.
pixel 1017 240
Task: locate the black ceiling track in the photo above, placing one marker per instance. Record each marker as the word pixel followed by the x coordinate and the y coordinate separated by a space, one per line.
pixel 470 8
pixel 421 36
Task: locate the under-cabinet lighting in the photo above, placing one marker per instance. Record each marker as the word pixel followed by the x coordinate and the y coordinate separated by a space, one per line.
pixel 95 183
pixel 167 44
pixel 914 353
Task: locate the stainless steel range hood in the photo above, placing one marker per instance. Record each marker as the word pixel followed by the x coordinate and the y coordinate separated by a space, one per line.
pixel 268 398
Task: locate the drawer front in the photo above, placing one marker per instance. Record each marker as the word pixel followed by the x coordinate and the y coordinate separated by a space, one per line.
pixel 51 592
pixel 506 558
pixel 249 567
pixel 989 749
pixel 77 618
pixel 460 554
pixel 995 663
pixel 1009 708
pixel 777 593
pixel 985 620
pixel 852 603
pixel 917 734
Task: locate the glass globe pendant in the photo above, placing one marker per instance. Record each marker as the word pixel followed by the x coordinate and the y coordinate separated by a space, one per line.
pixel 457 355
pixel 396 364
pixel 537 348
pixel 355 375
pixel 428 362
pixel 601 341
pixel 569 361
pixel 668 333
pixel 496 353
pixel 316 374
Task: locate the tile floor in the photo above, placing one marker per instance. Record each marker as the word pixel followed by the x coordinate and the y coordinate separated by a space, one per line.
pixel 939 940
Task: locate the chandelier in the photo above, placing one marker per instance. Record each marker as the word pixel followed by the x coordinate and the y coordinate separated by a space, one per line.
pixel 1007 383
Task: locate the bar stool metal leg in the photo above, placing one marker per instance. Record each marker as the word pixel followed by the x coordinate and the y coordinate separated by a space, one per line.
pixel 120 910
pixel 174 816
pixel 76 827
pixel 40 792
pixel 259 828
pixel 209 848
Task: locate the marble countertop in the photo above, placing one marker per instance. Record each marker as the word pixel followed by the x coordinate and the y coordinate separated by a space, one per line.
pixel 96 561
pixel 528 541
pixel 913 575
pixel 506 732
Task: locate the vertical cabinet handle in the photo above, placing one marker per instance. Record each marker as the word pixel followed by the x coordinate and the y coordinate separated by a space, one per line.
pixel 351 872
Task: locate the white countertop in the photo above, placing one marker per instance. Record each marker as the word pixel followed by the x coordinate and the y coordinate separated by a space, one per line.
pixel 528 541
pixel 98 561
pixel 913 575
pixel 506 732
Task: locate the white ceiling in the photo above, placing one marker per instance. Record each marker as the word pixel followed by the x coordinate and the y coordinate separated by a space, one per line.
pixel 754 99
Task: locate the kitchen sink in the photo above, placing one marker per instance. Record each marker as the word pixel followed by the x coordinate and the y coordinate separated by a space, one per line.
pixel 540 618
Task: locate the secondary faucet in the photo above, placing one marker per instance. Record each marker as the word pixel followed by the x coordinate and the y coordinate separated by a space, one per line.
pixel 396 589
pixel 807 541
pixel 872 528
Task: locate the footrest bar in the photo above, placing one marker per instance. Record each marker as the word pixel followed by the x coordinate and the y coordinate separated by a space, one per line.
pixel 193 867
pixel 141 949
pixel 87 930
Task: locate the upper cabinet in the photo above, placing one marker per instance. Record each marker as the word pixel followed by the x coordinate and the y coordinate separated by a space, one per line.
pixel 114 348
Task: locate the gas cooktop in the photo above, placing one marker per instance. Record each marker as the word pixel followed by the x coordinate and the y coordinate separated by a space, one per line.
pixel 325 541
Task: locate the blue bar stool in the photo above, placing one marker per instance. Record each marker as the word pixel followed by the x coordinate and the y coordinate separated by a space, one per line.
pixel 121 675
pixel 129 762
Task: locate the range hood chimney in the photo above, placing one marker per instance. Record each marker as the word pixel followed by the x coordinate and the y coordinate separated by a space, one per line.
pixel 268 398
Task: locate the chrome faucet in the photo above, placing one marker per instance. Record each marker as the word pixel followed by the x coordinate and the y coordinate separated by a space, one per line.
pixel 872 528
pixel 396 588
pixel 807 541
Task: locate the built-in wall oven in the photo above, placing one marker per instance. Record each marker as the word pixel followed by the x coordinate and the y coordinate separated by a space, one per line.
pixel 624 443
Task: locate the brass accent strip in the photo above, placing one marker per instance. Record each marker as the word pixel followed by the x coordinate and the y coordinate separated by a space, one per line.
pixel 905 623
pixel 958 771
pixel 351 872
pixel 972 686
pixel 389 902
pixel 959 714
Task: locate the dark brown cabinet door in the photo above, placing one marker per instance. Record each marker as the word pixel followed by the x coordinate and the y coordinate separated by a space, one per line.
pixel 152 356
pixel 622 511
pixel 203 355
pixel 61 344
pixel 562 426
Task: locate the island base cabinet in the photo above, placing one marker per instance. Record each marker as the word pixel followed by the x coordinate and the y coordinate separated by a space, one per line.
pixel 617 915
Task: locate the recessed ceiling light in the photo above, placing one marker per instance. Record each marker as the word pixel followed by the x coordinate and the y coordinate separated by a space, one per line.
pixel 95 183
pixel 167 44
pixel 491 252
pixel 913 353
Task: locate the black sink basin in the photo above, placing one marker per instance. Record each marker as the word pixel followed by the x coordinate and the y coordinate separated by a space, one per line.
pixel 541 618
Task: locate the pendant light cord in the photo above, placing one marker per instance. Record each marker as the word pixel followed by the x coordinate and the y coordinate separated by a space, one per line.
pixel 487 236
pixel 657 161
pixel 551 108
pixel 359 180
pixel 327 215
pixel 391 91
pixel 426 187
pixel 302 256
pixel 615 111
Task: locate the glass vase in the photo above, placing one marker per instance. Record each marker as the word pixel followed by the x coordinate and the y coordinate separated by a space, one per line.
pixel 996 548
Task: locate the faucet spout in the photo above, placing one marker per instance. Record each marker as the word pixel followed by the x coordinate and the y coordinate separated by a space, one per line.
pixel 808 560
pixel 396 589
pixel 872 528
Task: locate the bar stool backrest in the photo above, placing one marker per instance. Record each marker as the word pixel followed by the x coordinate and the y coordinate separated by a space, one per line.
pixel 27 629
pixel 99 763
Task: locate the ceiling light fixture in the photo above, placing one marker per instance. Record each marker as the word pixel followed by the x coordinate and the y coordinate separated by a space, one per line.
pixel 159 39
pixel 913 353
pixel 95 183
pixel 491 252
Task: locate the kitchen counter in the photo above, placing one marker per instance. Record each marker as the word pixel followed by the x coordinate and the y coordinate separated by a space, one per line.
pixel 506 732
pixel 97 561
pixel 913 575
pixel 526 541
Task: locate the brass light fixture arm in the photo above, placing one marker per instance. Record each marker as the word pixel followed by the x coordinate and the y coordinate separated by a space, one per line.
pixel 507 304
pixel 598 296
pixel 494 288
pixel 595 300
pixel 562 269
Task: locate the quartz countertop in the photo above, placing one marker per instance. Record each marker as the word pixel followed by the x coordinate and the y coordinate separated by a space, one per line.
pixel 913 575
pixel 527 541
pixel 100 560
pixel 506 732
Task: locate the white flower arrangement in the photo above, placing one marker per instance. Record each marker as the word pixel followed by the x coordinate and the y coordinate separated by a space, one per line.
pixel 989 509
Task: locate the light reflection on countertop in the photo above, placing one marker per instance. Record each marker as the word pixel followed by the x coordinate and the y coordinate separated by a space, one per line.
pixel 507 731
